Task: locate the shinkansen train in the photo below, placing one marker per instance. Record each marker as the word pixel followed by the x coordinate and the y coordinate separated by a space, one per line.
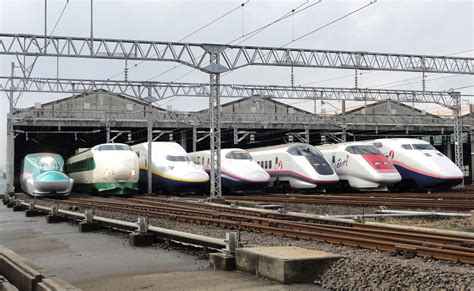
pixel 105 169
pixel 361 165
pixel 173 171
pixel 239 172
pixel 42 174
pixel 298 165
pixel 421 166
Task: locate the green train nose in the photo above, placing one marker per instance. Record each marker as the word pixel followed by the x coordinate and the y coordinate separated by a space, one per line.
pixel 52 176
pixel 52 181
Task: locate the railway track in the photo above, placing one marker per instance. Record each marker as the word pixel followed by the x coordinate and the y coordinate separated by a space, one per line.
pixel 457 248
pixel 366 200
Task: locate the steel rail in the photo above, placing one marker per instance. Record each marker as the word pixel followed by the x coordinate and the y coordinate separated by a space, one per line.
pixel 390 242
pixel 362 201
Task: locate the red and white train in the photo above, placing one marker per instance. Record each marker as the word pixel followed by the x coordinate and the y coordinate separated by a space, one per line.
pixel 360 165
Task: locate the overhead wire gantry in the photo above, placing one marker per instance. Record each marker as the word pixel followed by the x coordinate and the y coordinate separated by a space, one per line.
pixel 215 59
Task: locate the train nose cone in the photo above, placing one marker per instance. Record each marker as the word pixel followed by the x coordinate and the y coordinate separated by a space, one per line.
pixel 196 177
pixel 452 172
pixel 52 181
pixel 257 176
pixel 121 172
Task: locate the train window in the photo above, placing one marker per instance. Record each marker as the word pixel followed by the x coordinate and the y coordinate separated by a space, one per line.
pixel 48 164
pixel 427 154
pixel 234 155
pixel 269 164
pixel 178 158
pixel 333 159
pixel 378 144
pixel 362 150
pixel 113 147
pixel 423 146
pixel 406 146
pixel 301 150
pixel 265 165
pixel 122 147
pixel 440 154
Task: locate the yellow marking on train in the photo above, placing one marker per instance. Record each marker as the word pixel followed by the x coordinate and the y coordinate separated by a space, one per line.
pixel 172 178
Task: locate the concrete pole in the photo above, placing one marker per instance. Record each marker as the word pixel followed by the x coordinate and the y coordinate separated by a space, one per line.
pixel 150 148
pixel 194 138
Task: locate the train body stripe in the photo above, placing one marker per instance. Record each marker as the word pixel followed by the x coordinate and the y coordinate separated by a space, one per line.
pixel 403 165
pixel 237 178
pixel 173 178
pixel 293 174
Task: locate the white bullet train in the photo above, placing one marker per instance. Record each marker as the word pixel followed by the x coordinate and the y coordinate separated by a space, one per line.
pixel 421 166
pixel 239 172
pixel 173 172
pixel 298 165
pixel 361 165
pixel 42 175
pixel 110 168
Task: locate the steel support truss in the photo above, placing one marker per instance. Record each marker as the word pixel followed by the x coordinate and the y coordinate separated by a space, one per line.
pixel 231 56
pixel 457 120
pixel 161 90
pixel 215 59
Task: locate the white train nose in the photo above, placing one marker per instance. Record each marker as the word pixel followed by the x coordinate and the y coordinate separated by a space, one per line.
pixel 197 176
pixel 257 176
pixel 451 172
pixel 121 172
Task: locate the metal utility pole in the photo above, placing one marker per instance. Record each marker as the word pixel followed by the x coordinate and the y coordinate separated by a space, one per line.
pixel 11 138
pixel 215 69
pixel 92 27
pixel 457 120
pixel 45 23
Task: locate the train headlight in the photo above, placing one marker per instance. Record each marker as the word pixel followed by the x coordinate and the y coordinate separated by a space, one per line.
pixel 133 172
pixel 107 172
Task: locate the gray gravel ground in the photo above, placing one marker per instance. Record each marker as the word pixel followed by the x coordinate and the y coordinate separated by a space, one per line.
pixel 358 269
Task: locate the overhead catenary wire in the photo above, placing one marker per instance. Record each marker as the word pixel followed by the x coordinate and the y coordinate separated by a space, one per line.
pixel 296 10
pixel 29 70
pixel 188 36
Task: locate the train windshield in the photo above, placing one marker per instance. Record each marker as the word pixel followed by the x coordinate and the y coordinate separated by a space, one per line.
pixel 362 150
pixel 113 147
pixel 178 158
pixel 423 146
pixel 48 164
pixel 304 150
pixel 238 155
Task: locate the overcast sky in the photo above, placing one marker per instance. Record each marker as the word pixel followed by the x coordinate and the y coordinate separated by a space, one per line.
pixel 417 27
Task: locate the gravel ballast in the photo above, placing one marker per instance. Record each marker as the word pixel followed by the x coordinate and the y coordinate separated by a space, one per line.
pixel 358 269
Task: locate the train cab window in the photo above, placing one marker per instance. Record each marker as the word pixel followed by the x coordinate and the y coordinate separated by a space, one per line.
pixel 301 150
pixel 378 144
pixel 48 164
pixel 362 150
pixel 178 158
pixel 423 146
pixel 113 147
pixel 122 147
pixel 234 155
pixel 406 146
